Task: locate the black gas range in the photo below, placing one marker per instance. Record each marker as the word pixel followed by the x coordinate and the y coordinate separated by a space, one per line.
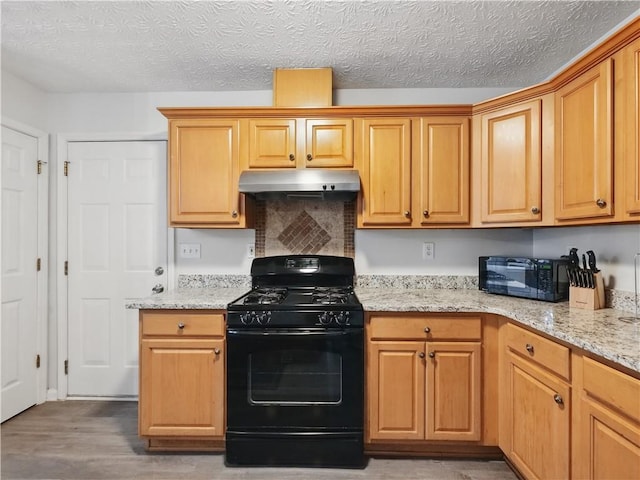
pixel 295 365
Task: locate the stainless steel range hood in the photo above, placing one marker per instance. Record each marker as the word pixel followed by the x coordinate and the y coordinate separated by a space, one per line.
pixel 301 183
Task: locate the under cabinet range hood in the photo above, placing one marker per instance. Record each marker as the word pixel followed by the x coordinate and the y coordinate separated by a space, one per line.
pixel 301 183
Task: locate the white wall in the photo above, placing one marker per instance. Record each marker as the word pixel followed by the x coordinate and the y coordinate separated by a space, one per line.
pixel 614 245
pixel 393 252
pixel 23 102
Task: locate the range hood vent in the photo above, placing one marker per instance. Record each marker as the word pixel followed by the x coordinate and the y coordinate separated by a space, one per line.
pixel 301 183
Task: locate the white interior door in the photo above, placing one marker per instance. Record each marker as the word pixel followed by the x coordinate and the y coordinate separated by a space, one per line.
pixel 117 239
pixel 19 274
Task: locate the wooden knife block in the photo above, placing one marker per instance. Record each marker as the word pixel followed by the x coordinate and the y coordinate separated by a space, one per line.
pixel 588 298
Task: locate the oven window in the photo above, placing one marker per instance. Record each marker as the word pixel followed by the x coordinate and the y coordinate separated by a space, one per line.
pixel 295 377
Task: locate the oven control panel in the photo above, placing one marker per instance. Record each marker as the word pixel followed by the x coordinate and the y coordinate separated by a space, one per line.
pixel 340 318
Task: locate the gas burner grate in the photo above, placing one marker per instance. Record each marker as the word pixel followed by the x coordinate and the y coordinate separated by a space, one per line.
pixel 265 296
pixel 330 295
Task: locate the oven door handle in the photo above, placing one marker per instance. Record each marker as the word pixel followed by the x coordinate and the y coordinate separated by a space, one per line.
pixel 288 332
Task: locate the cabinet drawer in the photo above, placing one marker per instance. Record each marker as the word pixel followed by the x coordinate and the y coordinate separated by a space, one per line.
pixel 612 387
pixel 193 323
pixel 403 327
pixel 553 356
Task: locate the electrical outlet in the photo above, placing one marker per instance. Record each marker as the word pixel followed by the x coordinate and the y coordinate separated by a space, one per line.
pixel 428 251
pixel 189 250
pixel 251 250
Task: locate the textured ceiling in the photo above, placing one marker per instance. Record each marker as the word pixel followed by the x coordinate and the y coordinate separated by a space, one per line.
pixel 142 46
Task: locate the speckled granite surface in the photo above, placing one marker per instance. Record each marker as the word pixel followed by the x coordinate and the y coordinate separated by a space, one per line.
pixel 611 334
pixel 190 298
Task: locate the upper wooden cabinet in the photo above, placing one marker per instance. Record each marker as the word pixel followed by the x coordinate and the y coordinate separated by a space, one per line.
pixel 627 115
pixel 440 165
pixel 384 151
pixel 511 164
pixel 584 145
pixel 414 171
pixel 204 163
pixel 300 143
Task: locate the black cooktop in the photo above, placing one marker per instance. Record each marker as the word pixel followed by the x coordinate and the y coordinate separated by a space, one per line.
pixel 296 297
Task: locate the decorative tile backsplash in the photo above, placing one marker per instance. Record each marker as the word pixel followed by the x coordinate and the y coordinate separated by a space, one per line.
pixel 293 226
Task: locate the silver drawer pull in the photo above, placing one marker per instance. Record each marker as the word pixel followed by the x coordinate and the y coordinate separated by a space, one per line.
pixel 181 326
pixel 529 348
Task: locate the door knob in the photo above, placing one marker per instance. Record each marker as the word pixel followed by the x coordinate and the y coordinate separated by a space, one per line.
pixel 309 157
pixel 292 157
pixel 535 210
pixel 159 271
pixel 158 288
pixel 601 203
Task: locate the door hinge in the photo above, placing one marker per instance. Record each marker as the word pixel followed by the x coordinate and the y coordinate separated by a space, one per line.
pixel 38 361
pixel 39 166
pixel 38 265
pixel 66 367
pixel 66 169
pixel 66 267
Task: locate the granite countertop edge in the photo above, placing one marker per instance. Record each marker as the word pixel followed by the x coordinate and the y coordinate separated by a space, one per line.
pixel 611 334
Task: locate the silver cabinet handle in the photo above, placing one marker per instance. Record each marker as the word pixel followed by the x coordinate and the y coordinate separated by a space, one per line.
pixel 535 210
pixel 234 214
pixel 425 213
pixel 432 354
pixel 159 271
pixel 421 355
pixel 407 213
pixel 181 326
pixel 529 348
pixel 216 351
pixel 427 329
pixel 158 288
pixel 558 399
pixel 601 203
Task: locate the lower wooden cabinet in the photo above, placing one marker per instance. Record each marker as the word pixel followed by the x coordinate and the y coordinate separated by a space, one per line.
pixel 181 374
pixel 607 428
pixel 537 420
pixel 423 389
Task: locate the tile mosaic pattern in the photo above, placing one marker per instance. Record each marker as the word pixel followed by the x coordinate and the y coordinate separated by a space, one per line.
pixel 287 226
pixel 304 235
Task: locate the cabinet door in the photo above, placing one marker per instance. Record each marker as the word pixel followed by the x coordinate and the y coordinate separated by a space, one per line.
pixel 453 391
pixel 584 137
pixel 537 421
pixel 610 445
pixel 272 143
pixel 395 391
pixel 329 143
pixel 511 164
pixel 631 132
pixel 385 152
pixel 203 172
pixel 441 163
pixel 181 387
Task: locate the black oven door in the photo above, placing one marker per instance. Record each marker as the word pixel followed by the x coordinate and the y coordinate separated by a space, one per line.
pixel 295 380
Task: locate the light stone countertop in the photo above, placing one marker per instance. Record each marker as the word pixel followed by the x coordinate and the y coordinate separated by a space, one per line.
pixel 610 334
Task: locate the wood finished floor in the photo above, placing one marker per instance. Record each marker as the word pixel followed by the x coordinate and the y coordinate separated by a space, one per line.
pixel 95 440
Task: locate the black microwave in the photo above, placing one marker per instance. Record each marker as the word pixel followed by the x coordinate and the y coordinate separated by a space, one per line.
pixel 536 278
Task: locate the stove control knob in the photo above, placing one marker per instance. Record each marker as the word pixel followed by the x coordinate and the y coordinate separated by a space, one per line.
pixel 264 318
pixel 342 318
pixel 246 318
pixel 324 318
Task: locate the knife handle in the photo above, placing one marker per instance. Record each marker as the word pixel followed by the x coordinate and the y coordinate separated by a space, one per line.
pixel 592 261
